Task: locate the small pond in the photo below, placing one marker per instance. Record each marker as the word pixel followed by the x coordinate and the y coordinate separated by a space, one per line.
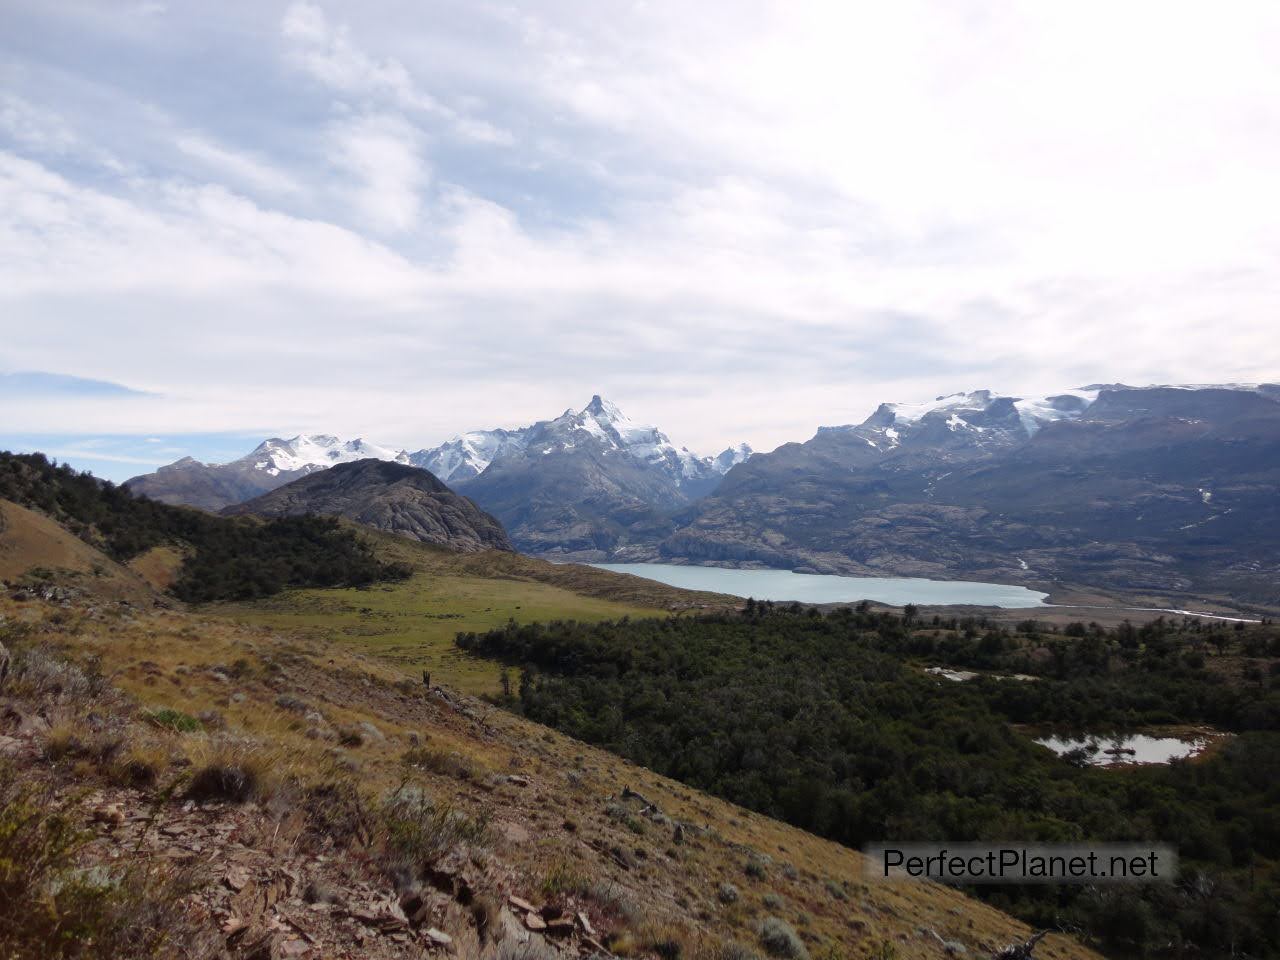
pixel 1111 751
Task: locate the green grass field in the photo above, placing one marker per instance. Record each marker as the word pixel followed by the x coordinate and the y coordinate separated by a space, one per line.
pixel 412 624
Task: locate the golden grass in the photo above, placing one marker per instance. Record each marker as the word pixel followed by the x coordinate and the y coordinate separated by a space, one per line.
pixel 29 540
pixel 159 566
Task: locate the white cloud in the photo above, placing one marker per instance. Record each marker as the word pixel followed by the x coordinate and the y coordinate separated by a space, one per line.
pixel 382 157
pixel 327 53
pixel 847 202
pixel 241 167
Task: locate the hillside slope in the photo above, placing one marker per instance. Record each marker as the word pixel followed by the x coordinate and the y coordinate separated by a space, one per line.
pixel 406 501
pixel 31 543
pixel 334 808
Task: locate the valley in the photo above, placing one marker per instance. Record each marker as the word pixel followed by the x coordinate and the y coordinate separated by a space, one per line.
pixel 1158 497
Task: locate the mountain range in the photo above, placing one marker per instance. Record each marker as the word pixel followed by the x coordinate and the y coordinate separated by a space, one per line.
pixel 1154 490
pixel 589 480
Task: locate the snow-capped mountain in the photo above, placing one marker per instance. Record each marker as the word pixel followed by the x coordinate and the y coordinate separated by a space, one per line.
pixel 315 452
pixel 588 484
pixel 599 444
pixel 271 464
pixel 730 457
pixel 1149 489
pixel 468 455
pixel 601 425
pixel 975 421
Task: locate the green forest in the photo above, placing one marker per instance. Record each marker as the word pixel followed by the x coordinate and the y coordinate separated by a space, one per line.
pixel 828 721
pixel 238 558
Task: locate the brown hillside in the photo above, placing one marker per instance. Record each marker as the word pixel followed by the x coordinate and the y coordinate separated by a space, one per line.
pixel 31 541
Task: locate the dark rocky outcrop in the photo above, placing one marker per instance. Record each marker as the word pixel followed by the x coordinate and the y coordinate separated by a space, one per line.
pixel 399 499
pixel 190 483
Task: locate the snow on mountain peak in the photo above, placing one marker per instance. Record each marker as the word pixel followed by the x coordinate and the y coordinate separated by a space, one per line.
pixel 468 455
pixel 979 417
pixel 316 451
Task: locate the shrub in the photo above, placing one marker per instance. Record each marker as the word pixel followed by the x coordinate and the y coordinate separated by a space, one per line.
pixel 40 674
pixel 52 909
pixel 727 893
pixel 563 879
pixel 779 939
pixel 446 762
pixel 166 718
pixel 417 831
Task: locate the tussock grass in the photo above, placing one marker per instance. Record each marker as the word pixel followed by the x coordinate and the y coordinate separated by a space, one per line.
pixel 140 764
pixel 415 831
pixel 237 771
pixel 449 763
pixel 564 879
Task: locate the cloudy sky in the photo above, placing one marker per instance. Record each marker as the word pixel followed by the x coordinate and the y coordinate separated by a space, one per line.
pixel 405 218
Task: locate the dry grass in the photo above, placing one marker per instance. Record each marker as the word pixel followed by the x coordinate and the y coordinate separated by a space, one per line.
pixel 30 540
pixel 159 566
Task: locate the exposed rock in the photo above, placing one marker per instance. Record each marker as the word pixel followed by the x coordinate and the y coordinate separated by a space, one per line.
pixel 534 921
pixel 112 814
pixel 236 878
pixel 393 497
pixel 1024 950
pixel 561 926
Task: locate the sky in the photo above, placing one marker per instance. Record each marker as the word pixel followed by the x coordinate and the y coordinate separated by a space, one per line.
pixel 403 219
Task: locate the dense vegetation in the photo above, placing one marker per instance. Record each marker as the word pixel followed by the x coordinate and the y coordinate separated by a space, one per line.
pixel 829 722
pixel 228 558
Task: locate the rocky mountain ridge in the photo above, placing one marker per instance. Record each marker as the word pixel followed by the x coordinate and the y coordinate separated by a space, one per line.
pixel 463 458
pixel 1159 491
pixel 394 497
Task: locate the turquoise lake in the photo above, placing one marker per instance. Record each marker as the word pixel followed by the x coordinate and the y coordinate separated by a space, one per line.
pixel 786 585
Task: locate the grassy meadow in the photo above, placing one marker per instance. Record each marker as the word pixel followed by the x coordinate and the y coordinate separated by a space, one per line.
pixel 412 623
